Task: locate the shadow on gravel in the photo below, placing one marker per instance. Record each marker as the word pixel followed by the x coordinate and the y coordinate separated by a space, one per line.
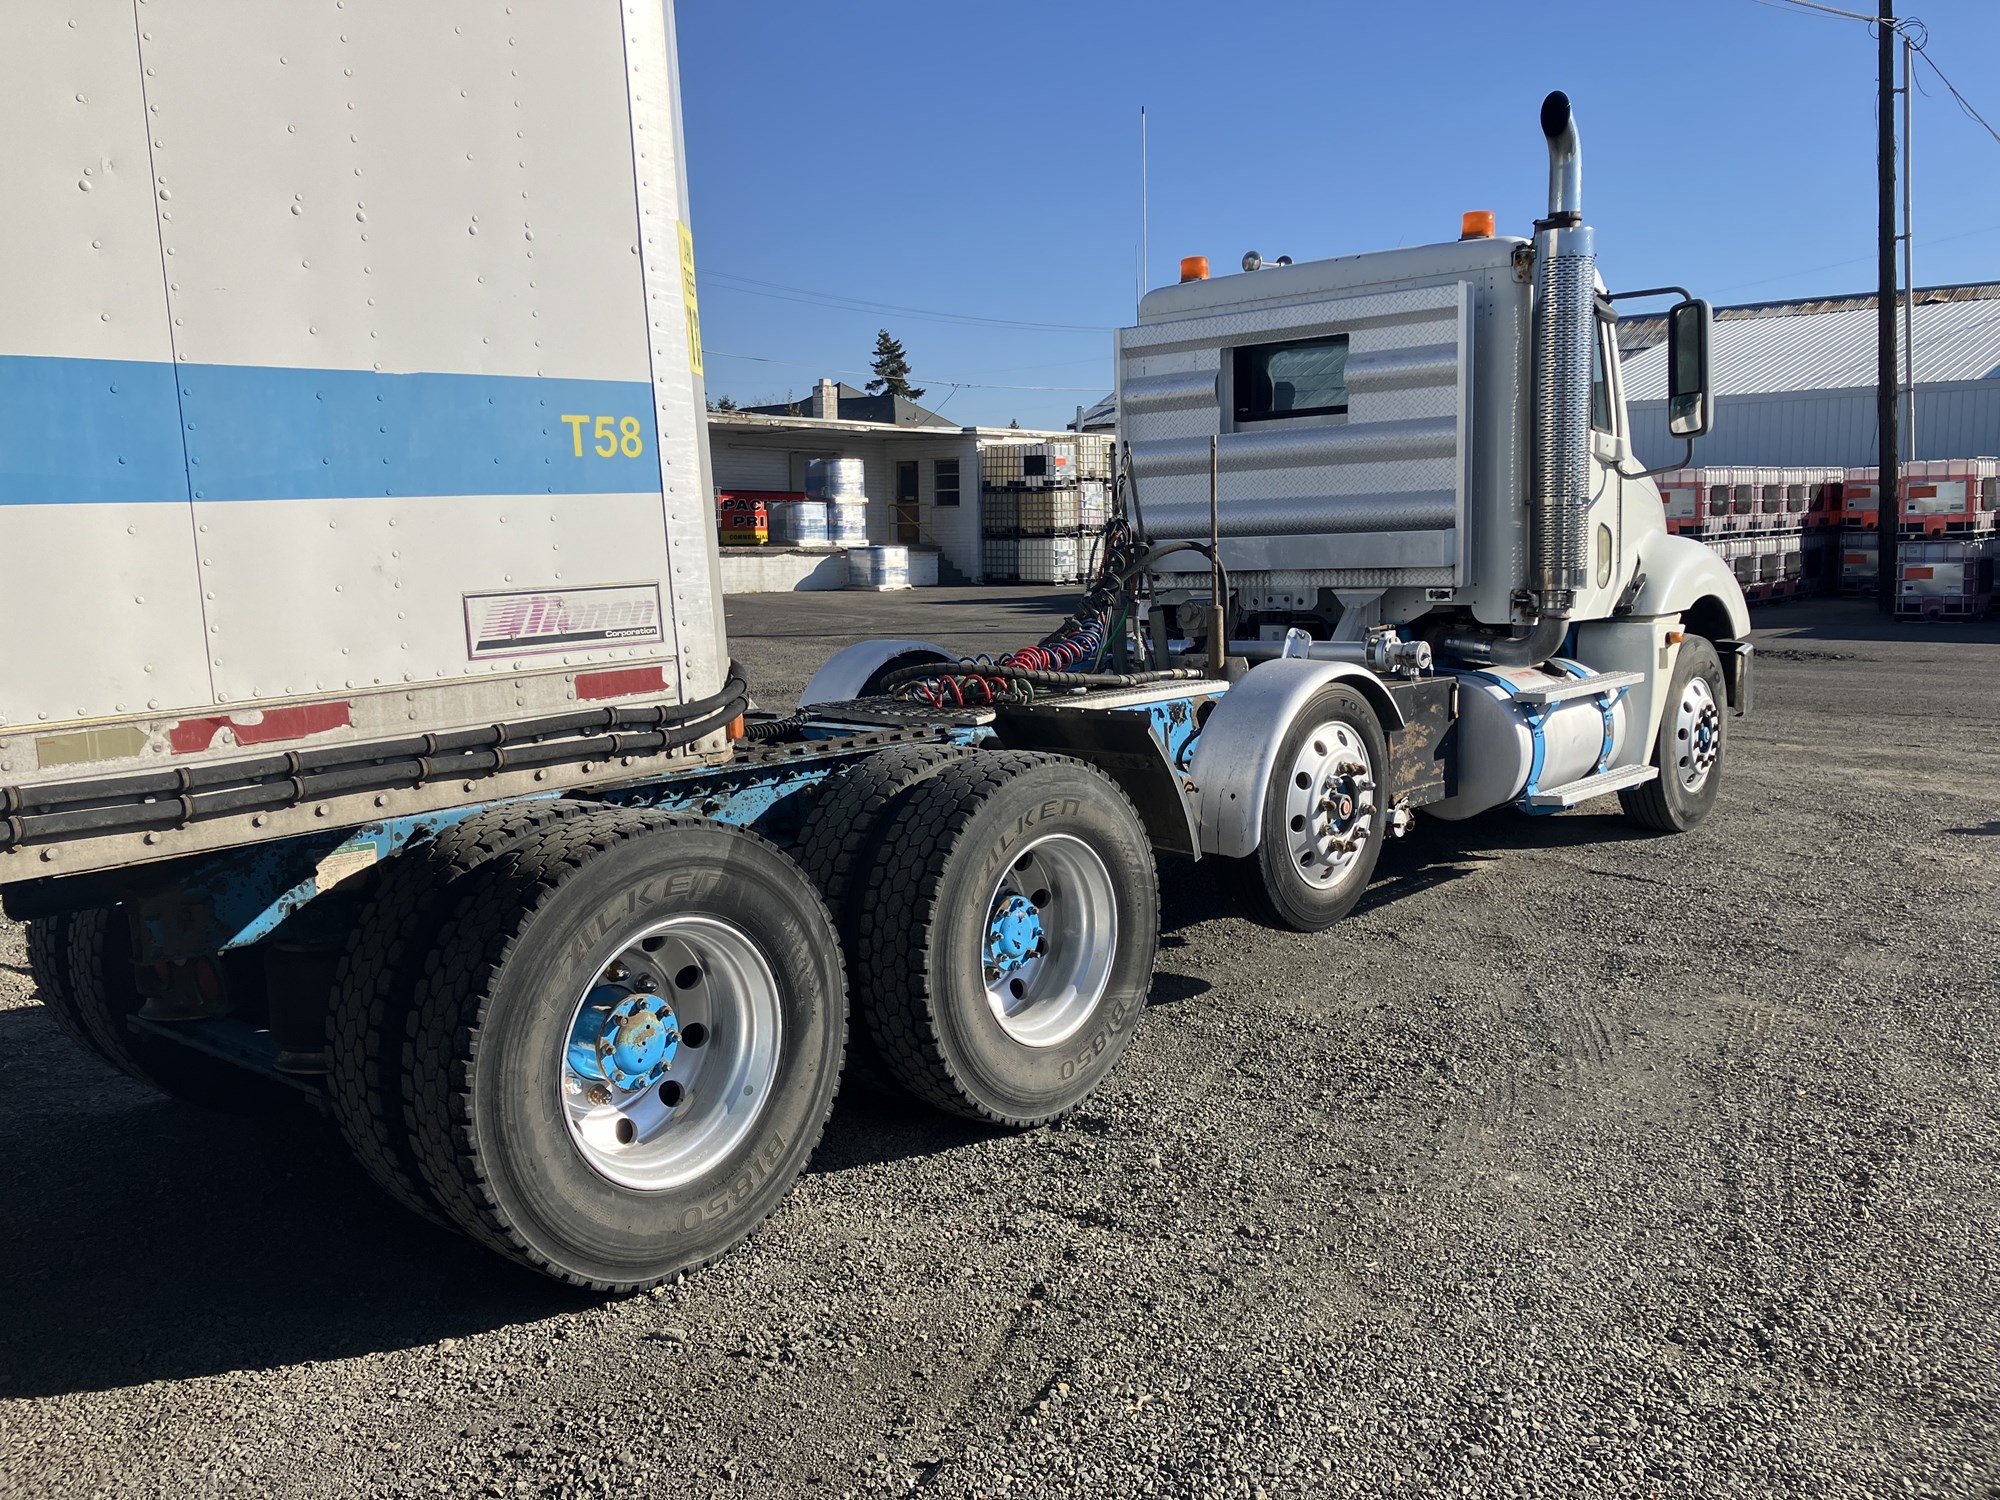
pixel 146 1240
pixel 874 1123
pixel 1989 830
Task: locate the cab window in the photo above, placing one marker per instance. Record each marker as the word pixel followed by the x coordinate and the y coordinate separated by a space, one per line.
pixel 1600 382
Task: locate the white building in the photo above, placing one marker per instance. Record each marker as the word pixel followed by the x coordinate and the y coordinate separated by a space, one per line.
pixel 922 476
pixel 1795 381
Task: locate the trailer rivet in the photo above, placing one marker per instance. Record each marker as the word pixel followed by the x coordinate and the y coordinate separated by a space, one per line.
pixel 259 821
pixel 465 786
pixel 381 801
pixel 152 838
pixel 320 811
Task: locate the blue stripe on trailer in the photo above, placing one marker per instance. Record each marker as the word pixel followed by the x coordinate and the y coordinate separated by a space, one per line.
pixel 94 431
pixel 90 431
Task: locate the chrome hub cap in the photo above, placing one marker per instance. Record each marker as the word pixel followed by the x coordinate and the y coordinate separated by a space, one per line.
pixel 670 1053
pixel 1051 937
pixel 1697 734
pixel 1329 803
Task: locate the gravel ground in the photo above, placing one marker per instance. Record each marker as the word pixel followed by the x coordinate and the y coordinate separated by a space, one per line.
pixel 1577 1162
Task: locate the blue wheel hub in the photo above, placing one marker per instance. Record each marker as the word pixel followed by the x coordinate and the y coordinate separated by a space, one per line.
pixel 625 1037
pixel 1014 935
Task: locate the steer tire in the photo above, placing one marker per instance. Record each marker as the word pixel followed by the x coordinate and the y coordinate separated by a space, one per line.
pixel 105 997
pixel 485 1070
pixel 922 955
pixel 374 986
pixel 1666 804
pixel 48 967
pixel 839 852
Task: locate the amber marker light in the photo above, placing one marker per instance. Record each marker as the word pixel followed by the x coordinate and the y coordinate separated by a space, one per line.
pixel 1194 268
pixel 1477 225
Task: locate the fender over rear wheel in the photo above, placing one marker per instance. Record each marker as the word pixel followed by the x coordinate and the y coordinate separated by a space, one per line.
pixel 1325 815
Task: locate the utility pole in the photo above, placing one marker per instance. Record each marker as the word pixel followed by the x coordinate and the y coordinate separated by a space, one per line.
pixel 1887 443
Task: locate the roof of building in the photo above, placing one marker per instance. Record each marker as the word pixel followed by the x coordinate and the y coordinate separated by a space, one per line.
pixel 1102 417
pixel 1825 343
pixel 859 406
pixel 747 421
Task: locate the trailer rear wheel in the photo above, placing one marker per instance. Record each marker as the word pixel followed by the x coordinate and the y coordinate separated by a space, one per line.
pixel 626 1045
pixel 1324 815
pixel 843 841
pixel 374 986
pixel 1688 750
pixel 48 967
pixel 105 997
pixel 1006 942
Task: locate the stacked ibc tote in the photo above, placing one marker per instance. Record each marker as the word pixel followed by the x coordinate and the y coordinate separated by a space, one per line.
pixel 1946 538
pixel 1788 533
pixel 1042 508
pixel 1776 528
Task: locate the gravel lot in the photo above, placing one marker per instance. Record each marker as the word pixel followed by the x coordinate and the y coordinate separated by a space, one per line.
pixel 1578 1162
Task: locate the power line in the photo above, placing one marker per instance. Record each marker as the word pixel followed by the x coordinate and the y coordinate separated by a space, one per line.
pixel 977 385
pixel 1963 103
pixel 779 292
pixel 1912 29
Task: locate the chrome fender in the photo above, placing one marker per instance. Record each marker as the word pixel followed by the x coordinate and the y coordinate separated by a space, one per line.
pixel 1239 743
pixel 854 671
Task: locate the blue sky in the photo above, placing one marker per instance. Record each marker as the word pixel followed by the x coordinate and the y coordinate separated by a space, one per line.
pixel 942 159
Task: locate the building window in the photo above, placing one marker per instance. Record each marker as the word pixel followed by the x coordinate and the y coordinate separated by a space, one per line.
pixel 944 481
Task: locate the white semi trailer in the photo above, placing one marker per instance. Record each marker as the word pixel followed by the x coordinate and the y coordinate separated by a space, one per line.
pixel 368 734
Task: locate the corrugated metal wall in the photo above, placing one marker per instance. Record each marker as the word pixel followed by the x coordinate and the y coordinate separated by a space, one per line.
pixel 1958 419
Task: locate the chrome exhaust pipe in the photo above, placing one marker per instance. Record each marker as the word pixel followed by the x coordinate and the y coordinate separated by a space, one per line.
pixel 1564 323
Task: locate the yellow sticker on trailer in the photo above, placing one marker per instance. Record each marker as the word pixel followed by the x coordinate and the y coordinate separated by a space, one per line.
pixel 688 298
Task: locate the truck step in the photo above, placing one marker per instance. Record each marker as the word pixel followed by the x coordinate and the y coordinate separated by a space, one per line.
pixel 1592 786
pixel 1581 687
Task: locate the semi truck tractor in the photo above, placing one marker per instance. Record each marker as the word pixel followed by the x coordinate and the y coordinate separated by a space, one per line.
pixel 369 739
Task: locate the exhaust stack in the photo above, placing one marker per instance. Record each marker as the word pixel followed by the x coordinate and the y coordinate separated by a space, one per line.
pixel 1559 480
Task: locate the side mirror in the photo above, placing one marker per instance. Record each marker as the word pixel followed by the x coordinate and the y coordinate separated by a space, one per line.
pixel 1690 409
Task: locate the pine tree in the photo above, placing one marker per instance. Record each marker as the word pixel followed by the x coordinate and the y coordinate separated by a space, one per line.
pixel 722 403
pixel 892 369
pixel 1015 424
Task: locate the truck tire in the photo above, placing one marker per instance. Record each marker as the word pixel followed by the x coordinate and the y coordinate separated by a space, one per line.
pixel 374 986
pixel 1324 816
pixel 1688 750
pixel 1006 942
pixel 105 997
pixel 842 842
pixel 625 1045
pixel 48 967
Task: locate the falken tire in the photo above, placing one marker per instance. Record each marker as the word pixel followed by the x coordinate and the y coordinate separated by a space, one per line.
pixel 923 940
pixel 1668 803
pixel 375 983
pixel 105 997
pixel 1272 881
pixel 486 1065
pixel 840 848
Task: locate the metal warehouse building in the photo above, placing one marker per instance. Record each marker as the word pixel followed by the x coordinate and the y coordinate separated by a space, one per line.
pixel 1795 381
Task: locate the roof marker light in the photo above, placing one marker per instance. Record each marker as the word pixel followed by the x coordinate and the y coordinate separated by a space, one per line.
pixel 1476 225
pixel 1194 268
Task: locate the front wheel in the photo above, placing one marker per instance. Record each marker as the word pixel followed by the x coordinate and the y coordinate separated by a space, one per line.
pixel 1325 813
pixel 1688 751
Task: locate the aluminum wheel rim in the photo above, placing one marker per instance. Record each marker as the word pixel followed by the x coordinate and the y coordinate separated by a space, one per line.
pixel 1697 734
pixel 1329 803
pixel 701 1093
pixel 1050 939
